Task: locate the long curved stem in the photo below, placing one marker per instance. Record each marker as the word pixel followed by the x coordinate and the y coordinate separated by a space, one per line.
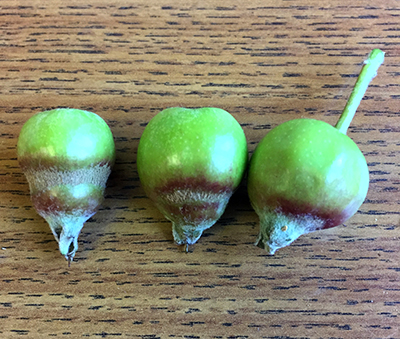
pixel 368 72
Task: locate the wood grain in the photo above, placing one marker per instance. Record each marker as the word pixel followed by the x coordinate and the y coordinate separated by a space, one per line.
pixel 265 62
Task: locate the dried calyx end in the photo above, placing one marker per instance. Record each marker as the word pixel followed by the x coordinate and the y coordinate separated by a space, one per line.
pixel 66 230
pixel 192 208
pixel 186 234
pixel 66 199
pixel 278 230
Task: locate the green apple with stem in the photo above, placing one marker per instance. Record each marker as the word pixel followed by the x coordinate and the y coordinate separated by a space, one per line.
pixel 307 175
pixel 66 155
pixel 190 161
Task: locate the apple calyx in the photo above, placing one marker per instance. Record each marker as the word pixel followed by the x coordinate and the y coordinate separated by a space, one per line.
pixel 187 234
pixel 66 230
pixel 192 206
pixel 279 229
pixel 66 199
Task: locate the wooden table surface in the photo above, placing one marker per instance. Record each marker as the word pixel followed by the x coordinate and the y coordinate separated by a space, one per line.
pixel 265 62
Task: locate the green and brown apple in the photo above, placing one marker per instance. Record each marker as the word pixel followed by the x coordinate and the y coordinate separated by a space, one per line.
pixel 66 155
pixel 307 175
pixel 190 161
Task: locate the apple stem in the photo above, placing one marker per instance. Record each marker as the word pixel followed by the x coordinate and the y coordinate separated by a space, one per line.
pixel 368 72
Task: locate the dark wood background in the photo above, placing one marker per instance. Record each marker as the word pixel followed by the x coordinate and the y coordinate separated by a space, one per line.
pixel 265 62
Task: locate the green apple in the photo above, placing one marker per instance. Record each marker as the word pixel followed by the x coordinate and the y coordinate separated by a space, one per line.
pixel 190 161
pixel 66 156
pixel 307 175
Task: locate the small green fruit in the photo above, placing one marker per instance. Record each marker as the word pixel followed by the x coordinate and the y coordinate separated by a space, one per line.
pixel 190 161
pixel 307 175
pixel 66 156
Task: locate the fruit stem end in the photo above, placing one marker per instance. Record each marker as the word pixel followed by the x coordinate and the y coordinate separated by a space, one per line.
pixel 278 230
pixel 265 246
pixel 368 72
pixel 66 230
pixel 186 234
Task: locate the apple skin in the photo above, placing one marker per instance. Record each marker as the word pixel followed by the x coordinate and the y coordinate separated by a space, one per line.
pixel 66 155
pixel 190 161
pixel 303 176
pixel 65 137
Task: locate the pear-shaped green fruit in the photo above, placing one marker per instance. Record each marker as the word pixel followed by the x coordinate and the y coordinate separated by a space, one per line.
pixel 307 175
pixel 190 161
pixel 66 156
